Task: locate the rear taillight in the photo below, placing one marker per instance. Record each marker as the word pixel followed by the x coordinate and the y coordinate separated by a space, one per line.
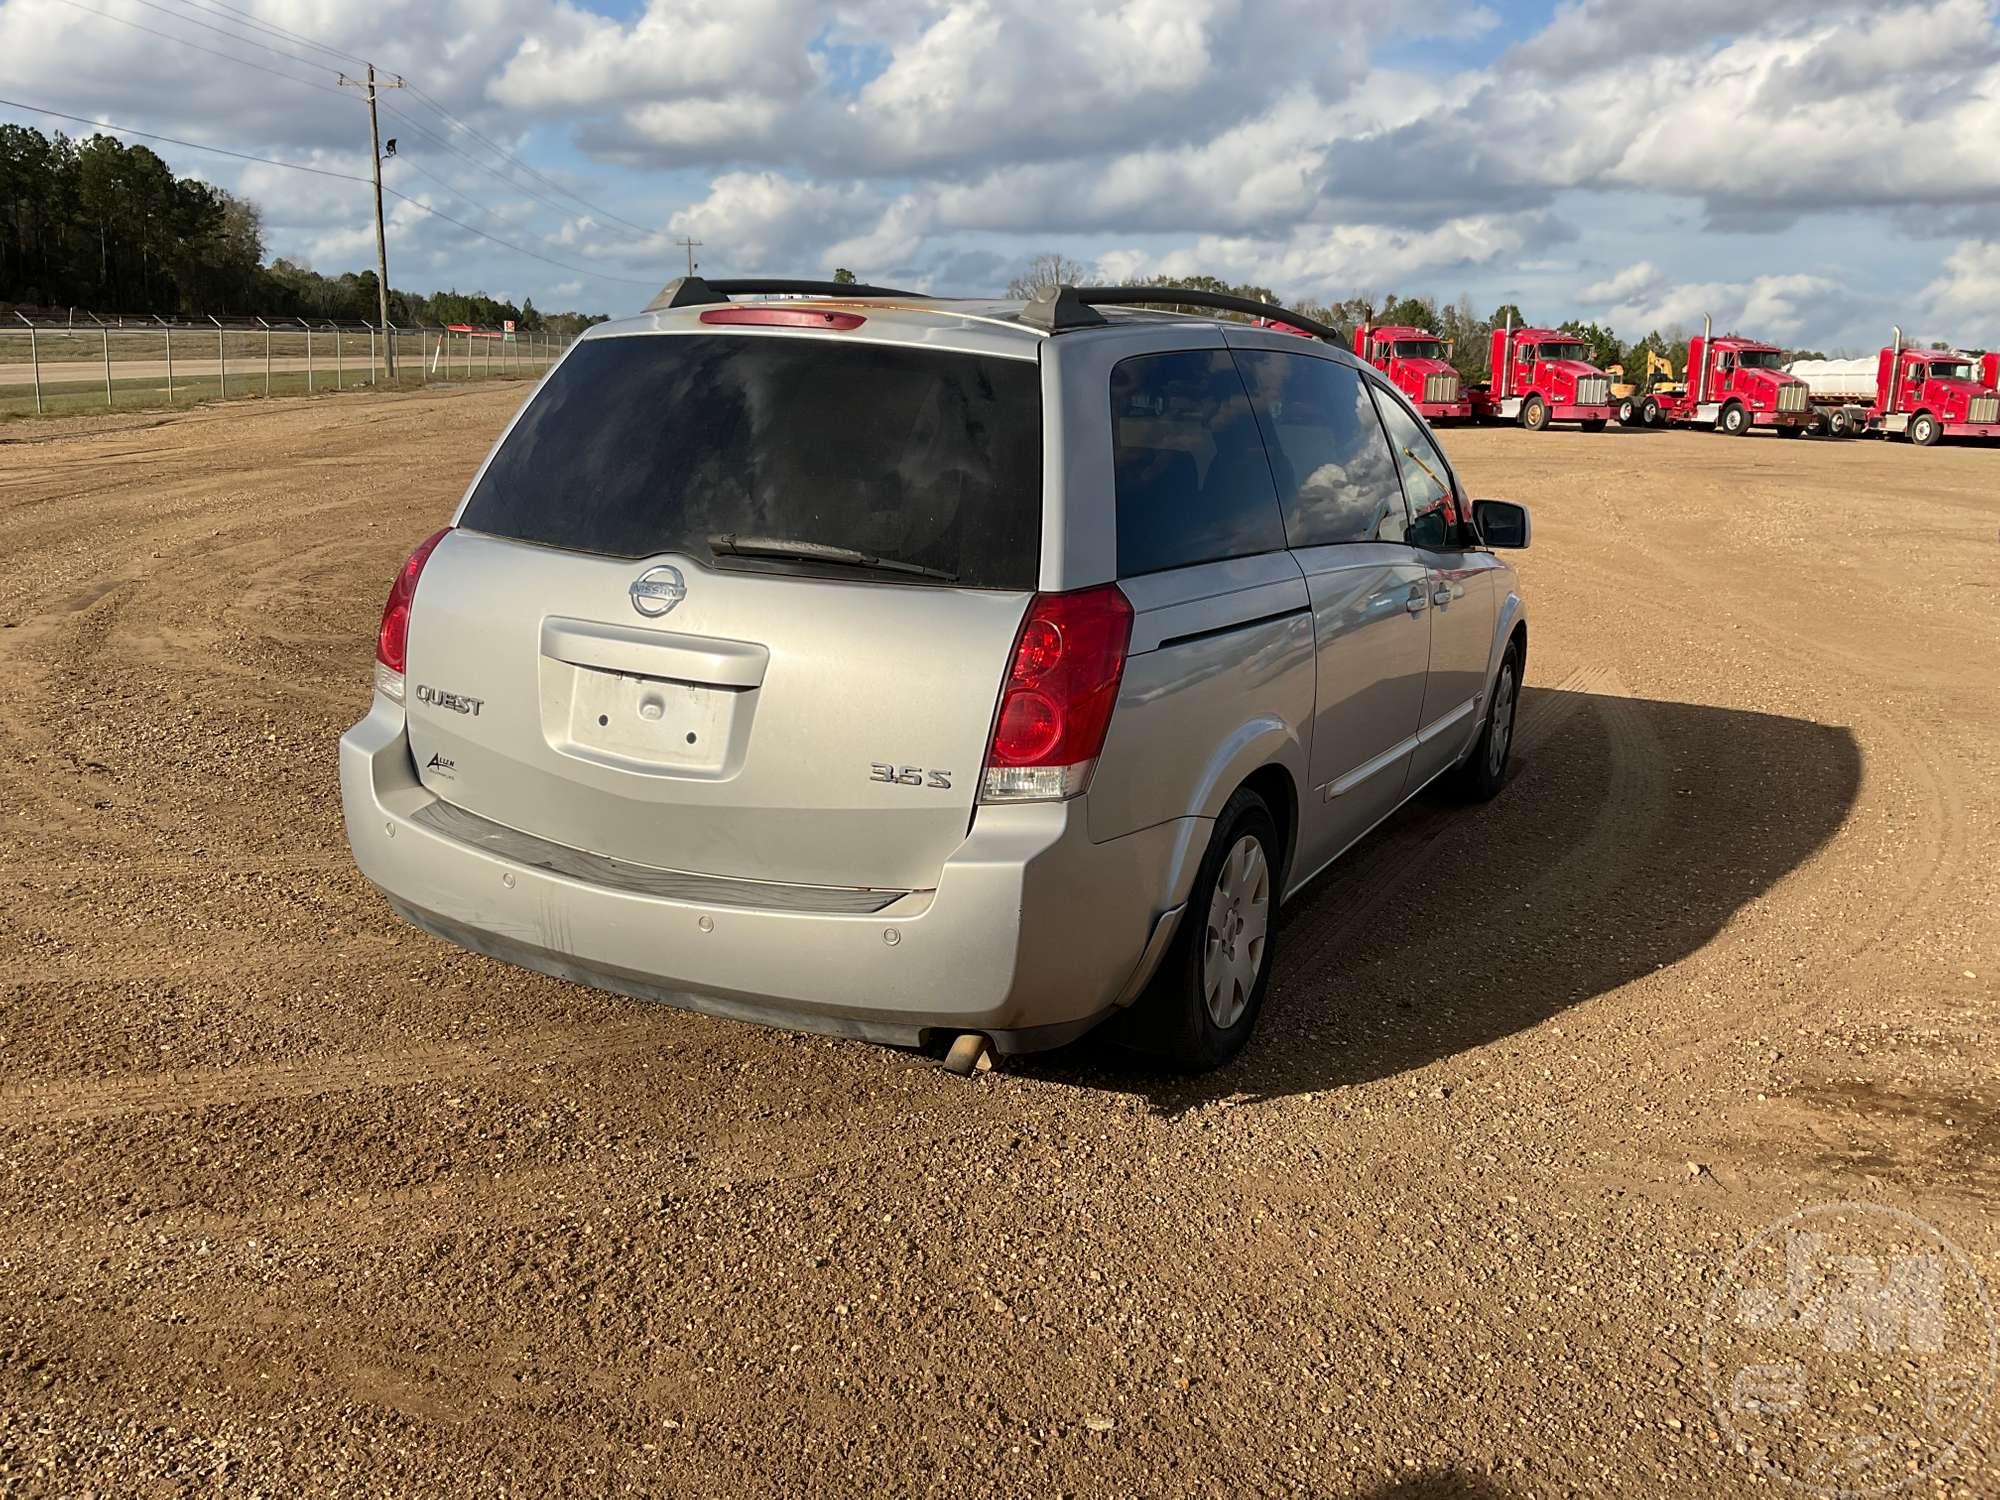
pixel 392 641
pixel 1061 687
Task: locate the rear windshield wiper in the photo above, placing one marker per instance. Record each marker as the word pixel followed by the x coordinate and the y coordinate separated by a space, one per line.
pixel 728 544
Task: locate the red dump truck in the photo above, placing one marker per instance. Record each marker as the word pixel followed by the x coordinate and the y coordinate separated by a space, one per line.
pixel 1539 376
pixel 1414 360
pixel 1734 384
pixel 1926 395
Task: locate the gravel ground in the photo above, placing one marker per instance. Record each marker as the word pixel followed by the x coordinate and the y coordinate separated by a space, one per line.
pixel 296 1199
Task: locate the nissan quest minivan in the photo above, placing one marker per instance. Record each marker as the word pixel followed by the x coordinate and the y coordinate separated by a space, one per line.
pixel 950 674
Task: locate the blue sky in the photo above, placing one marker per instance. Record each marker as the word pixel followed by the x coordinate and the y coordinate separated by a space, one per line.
pixel 1808 173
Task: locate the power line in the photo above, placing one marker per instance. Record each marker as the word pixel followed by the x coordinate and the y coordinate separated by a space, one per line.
pixel 271 28
pixel 424 98
pixel 234 36
pixel 293 166
pixel 212 52
pixel 491 171
pixel 287 34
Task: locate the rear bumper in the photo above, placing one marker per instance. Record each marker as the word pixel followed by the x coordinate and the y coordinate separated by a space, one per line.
pixel 1032 935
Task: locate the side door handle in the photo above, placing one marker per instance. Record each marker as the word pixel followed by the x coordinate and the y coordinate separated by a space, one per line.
pixel 1416 604
pixel 1441 594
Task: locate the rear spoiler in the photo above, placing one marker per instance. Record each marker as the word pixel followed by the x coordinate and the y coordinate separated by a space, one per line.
pixel 698 291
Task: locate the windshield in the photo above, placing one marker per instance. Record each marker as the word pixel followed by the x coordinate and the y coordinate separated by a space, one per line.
pixel 1759 359
pixel 1418 349
pixel 656 443
pixel 1566 351
pixel 1951 369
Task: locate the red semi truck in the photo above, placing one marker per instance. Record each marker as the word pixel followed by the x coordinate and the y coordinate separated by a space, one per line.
pixel 1539 376
pixel 1926 395
pixel 1733 385
pixel 1414 360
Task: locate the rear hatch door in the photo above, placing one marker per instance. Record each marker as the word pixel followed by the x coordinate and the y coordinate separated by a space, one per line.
pixel 737 603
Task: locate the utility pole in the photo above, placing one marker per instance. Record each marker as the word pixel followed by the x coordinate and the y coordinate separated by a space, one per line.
pixel 381 240
pixel 692 246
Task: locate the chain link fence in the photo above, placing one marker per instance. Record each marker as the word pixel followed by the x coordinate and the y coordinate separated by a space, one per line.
pixel 93 362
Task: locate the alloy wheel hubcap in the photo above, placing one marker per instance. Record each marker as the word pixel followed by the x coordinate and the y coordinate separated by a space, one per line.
pixel 1239 923
pixel 1503 721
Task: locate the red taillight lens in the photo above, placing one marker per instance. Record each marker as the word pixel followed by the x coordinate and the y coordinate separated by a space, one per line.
pixel 392 641
pixel 1061 687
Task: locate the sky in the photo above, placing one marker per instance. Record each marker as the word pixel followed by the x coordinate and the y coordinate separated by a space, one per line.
pixel 1809 174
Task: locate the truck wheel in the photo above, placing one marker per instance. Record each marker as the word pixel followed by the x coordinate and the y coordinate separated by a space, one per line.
pixel 1535 414
pixel 1791 432
pixel 1199 1009
pixel 1628 411
pixel 1649 412
pixel 1735 420
pixel 1840 425
pixel 1925 430
pixel 1595 424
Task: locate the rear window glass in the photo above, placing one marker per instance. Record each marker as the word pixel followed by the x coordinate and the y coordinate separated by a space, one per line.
pixel 656 443
pixel 1193 483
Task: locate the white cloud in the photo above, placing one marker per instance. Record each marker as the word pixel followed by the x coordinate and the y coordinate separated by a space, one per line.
pixel 1966 297
pixel 1773 307
pixel 1635 280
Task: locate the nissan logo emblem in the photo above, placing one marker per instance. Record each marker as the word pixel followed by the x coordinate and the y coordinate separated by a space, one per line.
pixel 657 590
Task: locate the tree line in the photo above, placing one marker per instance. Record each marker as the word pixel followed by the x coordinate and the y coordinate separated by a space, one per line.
pixel 101 225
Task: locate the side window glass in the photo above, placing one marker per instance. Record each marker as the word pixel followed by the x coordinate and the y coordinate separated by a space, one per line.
pixel 1194 485
pixel 1426 480
pixel 1336 474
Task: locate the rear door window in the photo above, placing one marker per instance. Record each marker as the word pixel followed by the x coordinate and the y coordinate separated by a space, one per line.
pixel 656 443
pixel 1193 482
pixel 1336 474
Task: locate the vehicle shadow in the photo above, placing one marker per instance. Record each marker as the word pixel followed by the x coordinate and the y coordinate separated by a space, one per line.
pixel 1629 833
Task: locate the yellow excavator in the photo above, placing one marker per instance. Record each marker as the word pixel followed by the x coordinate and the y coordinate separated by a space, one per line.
pixel 1630 396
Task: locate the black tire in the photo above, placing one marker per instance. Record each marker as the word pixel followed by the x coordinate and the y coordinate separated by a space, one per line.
pixel 1791 432
pixel 1535 414
pixel 1735 420
pixel 1649 411
pixel 1925 430
pixel 1483 772
pixel 1628 412
pixel 1595 424
pixel 1176 1021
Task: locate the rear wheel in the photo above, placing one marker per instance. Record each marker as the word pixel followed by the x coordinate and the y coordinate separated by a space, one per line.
pixel 1925 430
pixel 1735 420
pixel 1484 771
pixel 1649 411
pixel 1535 414
pixel 1200 1008
pixel 1628 412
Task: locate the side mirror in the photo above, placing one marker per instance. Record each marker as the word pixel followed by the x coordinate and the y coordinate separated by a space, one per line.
pixel 1501 523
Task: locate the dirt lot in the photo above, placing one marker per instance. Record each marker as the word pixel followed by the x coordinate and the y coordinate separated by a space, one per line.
pixel 295 1198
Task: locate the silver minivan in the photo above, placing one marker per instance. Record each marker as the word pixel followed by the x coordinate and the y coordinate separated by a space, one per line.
pixel 950 674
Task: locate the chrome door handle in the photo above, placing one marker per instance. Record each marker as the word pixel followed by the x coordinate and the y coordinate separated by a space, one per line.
pixel 1441 594
pixel 1416 604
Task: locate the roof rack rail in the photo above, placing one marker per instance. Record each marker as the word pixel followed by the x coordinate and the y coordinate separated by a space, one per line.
pixel 1061 308
pixel 698 291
